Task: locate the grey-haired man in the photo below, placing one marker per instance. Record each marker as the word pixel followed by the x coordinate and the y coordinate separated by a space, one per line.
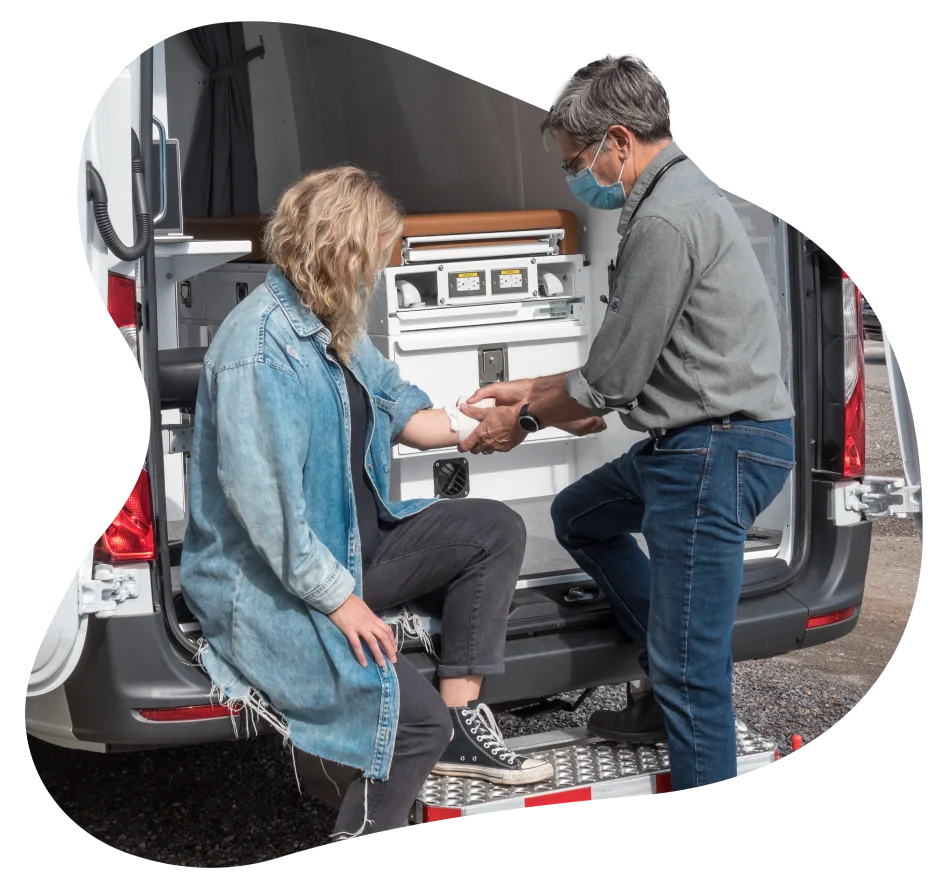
pixel 689 352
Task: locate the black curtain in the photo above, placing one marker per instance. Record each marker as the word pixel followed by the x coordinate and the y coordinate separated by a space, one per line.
pixel 220 176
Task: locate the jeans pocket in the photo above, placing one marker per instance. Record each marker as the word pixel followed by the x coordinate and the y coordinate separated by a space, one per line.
pixel 692 440
pixel 760 480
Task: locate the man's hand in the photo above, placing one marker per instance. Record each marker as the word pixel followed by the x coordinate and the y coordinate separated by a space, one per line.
pixel 515 392
pixel 498 428
pixel 586 426
pixel 357 622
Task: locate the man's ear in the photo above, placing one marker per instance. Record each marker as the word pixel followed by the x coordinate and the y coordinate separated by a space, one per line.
pixel 623 139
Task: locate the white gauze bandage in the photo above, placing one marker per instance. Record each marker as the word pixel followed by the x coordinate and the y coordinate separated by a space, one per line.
pixel 462 424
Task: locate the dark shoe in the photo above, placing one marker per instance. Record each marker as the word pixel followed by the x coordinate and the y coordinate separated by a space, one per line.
pixel 477 750
pixel 640 722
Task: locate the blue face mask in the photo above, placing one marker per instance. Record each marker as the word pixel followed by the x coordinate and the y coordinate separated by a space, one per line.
pixel 584 186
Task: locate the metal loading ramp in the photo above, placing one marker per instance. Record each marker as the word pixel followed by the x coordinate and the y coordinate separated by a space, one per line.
pixel 585 768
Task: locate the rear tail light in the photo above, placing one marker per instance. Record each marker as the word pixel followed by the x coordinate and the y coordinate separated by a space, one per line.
pixel 186 714
pixel 121 300
pixel 855 443
pixel 121 304
pixel 832 618
pixel 131 536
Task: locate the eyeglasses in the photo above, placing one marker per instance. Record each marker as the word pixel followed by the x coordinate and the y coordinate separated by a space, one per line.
pixel 568 166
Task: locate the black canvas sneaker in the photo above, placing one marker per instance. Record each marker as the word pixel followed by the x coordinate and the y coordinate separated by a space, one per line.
pixel 478 750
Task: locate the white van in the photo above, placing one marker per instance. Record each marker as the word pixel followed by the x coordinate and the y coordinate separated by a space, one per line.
pixel 501 274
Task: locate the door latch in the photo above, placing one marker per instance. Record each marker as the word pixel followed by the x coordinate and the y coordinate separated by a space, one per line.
pixel 493 365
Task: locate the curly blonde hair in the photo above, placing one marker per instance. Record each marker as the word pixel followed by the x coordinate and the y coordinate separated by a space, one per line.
pixel 330 235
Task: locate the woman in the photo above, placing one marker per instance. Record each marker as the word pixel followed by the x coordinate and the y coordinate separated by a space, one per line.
pixel 293 547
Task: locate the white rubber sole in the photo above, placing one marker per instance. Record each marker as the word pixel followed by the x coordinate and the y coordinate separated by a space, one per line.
pixel 510 777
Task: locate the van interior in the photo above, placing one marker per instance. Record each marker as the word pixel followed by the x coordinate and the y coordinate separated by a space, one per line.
pixel 452 151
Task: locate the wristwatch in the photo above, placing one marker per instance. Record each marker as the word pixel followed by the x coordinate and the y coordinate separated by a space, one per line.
pixel 527 421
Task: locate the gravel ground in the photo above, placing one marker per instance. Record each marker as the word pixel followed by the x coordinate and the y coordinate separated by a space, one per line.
pixel 234 804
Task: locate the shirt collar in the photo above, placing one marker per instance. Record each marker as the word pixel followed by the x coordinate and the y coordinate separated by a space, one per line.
pixel 671 151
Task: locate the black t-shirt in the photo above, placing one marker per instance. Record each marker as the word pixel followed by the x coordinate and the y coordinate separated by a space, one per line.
pixel 367 512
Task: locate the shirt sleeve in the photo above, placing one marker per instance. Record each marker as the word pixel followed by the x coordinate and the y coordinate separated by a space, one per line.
pixel 263 428
pixel 649 294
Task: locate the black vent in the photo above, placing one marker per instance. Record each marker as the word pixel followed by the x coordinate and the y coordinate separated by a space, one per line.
pixel 451 478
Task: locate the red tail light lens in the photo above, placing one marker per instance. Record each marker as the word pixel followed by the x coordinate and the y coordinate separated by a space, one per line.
pixel 855 427
pixel 186 714
pixel 121 304
pixel 131 536
pixel 832 618
pixel 855 433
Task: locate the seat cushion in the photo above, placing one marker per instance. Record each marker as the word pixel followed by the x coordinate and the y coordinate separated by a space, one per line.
pixel 179 374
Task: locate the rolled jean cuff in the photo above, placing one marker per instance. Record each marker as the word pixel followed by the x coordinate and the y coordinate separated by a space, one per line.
pixel 447 672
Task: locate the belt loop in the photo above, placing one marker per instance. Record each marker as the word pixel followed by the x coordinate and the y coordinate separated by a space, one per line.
pixel 726 422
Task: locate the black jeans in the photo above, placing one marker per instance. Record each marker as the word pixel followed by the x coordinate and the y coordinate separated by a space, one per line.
pixel 464 557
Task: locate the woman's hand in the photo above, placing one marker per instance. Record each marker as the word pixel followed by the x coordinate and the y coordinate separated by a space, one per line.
pixel 357 622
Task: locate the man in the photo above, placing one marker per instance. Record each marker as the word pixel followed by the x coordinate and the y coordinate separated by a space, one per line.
pixel 689 352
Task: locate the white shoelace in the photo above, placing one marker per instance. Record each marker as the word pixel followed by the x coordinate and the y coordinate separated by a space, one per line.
pixel 480 717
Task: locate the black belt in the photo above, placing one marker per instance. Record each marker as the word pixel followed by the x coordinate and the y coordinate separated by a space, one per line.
pixel 655 434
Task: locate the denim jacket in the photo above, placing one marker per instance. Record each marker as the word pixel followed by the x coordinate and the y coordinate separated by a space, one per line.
pixel 272 544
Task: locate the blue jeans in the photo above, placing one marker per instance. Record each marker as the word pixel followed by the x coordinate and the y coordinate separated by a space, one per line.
pixel 693 494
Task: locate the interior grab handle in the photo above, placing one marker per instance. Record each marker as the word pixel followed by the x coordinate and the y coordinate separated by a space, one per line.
pixel 163 162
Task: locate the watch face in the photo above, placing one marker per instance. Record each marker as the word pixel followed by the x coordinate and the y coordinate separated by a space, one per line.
pixel 527 422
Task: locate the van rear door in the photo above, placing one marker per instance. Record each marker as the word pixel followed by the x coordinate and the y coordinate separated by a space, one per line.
pixel 911 489
pixel 879 496
pixel 107 147
pixel 64 641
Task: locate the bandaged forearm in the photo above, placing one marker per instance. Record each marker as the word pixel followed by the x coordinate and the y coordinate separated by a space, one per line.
pixel 459 422
pixel 440 427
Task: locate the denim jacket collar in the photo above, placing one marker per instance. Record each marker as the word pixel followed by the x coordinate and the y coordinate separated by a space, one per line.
pixel 304 322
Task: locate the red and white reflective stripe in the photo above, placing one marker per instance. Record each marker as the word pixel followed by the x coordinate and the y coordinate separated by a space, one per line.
pixel 437 813
pixel 661 783
pixel 432 814
pixel 577 794
pixel 635 785
pixel 639 785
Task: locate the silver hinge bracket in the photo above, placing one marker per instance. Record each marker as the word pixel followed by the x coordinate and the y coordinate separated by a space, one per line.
pixel 100 595
pixel 883 497
pixel 180 438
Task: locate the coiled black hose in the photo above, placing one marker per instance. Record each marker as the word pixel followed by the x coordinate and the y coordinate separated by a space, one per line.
pixel 97 193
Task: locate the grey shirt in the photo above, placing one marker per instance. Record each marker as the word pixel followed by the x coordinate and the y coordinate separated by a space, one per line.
pixel 691 331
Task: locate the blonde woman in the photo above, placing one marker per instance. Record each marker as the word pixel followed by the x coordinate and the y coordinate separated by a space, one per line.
pixel 293 545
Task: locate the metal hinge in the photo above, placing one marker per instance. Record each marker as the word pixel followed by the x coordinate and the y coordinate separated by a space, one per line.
pixel 180 438
pixel 100 596
pixel 883 497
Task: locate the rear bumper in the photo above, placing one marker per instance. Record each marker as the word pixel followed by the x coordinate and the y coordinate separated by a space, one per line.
pixel 132 662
